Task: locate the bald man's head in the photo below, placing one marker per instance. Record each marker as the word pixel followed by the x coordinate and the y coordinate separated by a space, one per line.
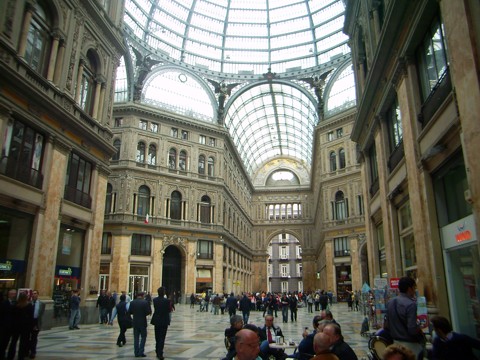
pixel 321 343
pixel 247 344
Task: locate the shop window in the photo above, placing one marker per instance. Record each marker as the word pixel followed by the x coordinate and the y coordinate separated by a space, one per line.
pixel 182 160
pixel 341 158
pixel 152 155
pixel 407 240
pixel 117 145
pixel 373 170
pixel 141 245
pixel 140 152
pixel 211 166
pixel 204 249
pixel 106 243
pixel 172 159
pixel 432 58
pixel 69 259
pixel 143 201
pixel 201 165
pixel 88 83
pixel 143 124
pixel 205 208
pixel 341 246
pixel 78 180
pixel 38 39
pixel 22 153
pixel 340 206
pixel 333 161
pixel 176 206
pixel 109 200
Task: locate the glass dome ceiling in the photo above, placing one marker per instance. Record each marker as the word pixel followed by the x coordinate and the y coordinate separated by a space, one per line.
pixel 241 36
pixel 240 42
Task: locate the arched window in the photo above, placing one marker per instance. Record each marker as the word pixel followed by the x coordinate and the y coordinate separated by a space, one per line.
pixel 201 165
pixel 88 83
pixel 176 206
pixel 109 200
pixel 341 158
pixel 38 40
pixel 140 152
pixel 340 206
pixel 333 161
pixel 143 203
pixel 205 213
pixel 152 155
pixel 182 160
pixel 211 166
pixel 172 159
pixel 117 144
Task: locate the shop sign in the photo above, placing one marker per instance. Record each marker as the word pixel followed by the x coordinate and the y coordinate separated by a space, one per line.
pixel 380 283
pixel 6 266
pixel 65 272
pixel 394 283
pixel 458 233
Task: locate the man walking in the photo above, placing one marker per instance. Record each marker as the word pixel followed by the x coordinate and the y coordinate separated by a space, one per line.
pixel 74 311
pixel 161 320
pixel 402 318
pixel 140 309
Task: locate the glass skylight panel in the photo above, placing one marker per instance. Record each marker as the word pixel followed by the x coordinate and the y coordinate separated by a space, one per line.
pixel 246 30
pixel 214 26
pixel 175 9
pixel 211 9
pixel 287 12
pixel 236 43
pixel 121 85
pixel 343 92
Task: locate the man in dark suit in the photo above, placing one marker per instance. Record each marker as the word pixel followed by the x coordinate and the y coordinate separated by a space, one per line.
pixel 6 319
pixel 140 309
pixel 38 310
pixel 268 335
pixel 161 320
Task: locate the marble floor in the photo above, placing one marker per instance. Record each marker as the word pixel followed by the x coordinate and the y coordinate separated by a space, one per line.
pixel 192 335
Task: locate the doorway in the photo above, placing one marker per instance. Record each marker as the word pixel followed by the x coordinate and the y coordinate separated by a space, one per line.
pixel 172 270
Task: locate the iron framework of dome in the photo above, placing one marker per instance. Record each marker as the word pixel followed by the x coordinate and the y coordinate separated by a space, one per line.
pixel 260 67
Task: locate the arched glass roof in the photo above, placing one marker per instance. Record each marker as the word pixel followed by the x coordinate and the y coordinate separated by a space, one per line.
pixel 241 36
pixel 242 42
pixel 272 120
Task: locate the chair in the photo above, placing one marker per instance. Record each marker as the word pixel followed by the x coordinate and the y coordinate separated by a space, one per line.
pixel 377 346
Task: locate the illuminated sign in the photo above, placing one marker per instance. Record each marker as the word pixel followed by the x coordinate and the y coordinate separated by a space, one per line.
pixel 65 272
pixel 6 266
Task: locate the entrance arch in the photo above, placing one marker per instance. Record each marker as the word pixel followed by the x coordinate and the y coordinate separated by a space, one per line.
pixel 172 270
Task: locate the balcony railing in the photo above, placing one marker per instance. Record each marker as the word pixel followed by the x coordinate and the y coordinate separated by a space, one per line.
pixel 78 197
pixel 17 171
pixel 437 96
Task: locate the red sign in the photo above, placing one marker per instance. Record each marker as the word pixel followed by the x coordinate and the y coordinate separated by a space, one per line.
pixel 463 236
pixel 394 283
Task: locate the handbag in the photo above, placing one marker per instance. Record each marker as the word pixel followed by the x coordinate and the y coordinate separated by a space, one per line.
pixel 128 322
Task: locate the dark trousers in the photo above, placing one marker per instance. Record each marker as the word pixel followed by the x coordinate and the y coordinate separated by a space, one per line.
pixel 160 335
pixel 24 346
pixel 34 340
pixel 121 337
pixel 285 313
pixel 139 340
pixel 5 335
pixel 293 314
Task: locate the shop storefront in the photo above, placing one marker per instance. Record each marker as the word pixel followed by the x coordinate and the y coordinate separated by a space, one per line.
pixel 462 266
pixel 15 234
pixel 139 279
pixel 344 281
pixel 204 281
pixel 68 269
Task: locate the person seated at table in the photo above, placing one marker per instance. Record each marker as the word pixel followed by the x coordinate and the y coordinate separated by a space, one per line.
pixel 236 324
pixel 337 344
pixel 267 337
pixel 327 315
pixel 321 344
pixel 449 344
pixel 305 348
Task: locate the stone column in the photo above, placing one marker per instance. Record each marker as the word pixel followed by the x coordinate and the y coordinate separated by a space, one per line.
pixel 120 266
pixel 79 80
pixel 59 63
pixel 46 244
pixel 96 100
pixel 25 29
pixel 53 56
